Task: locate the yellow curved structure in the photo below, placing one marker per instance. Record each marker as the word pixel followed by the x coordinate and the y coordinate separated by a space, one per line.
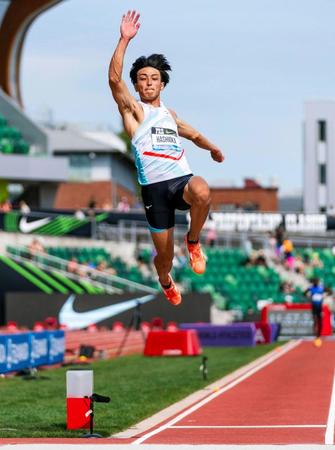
pixel 16 21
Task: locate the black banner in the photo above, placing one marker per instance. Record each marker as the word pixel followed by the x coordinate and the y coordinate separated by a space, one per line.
pixel 28 308
pixel 64 222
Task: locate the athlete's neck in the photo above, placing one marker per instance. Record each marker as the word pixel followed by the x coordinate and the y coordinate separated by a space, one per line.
pixel 155 103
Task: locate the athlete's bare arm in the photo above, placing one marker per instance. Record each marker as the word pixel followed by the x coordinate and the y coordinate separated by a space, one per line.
pixel 186 131
pixel 130 110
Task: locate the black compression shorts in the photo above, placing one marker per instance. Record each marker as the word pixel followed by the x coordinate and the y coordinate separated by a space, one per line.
pixel 317 310
pixel 162 199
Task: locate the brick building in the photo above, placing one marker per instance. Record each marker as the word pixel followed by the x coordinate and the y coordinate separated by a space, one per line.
pixel 251 197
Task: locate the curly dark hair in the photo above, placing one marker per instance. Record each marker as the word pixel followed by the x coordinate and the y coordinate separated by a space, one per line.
pixel 156 61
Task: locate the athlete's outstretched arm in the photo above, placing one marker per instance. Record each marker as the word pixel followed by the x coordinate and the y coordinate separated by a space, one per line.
pixel 128 30
pixel 186 131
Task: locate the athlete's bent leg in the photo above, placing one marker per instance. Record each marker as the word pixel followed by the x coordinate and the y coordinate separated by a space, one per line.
pixel 164 246
pixel 197 194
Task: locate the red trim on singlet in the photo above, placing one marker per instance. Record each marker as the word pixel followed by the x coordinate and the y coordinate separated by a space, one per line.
pixel 164 156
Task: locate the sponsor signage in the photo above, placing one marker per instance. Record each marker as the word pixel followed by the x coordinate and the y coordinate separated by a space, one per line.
pixel 17 352
pixel 56 346
pixel 64 223
pixel 305 223
pixel 39 351
pixel 233 335
pixel 3 354
pixel 296 319
pixel 26 350
pixel 246 222
pixel 80 311
pixel 265 222
pixel 74 320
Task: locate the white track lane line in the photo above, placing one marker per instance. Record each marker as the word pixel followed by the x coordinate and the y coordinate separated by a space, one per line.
pixel 329 436
pixel 217 393
pixel 246 426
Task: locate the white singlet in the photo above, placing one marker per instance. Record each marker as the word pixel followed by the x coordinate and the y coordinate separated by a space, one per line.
pixel 157 148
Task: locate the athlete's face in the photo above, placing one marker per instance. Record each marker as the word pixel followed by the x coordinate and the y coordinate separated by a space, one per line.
pixel 149 83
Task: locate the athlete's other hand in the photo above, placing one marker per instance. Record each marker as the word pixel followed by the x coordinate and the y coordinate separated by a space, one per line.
pixel 129 24
pixel 217 155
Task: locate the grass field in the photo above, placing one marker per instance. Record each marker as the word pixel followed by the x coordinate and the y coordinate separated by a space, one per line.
pixel 138 386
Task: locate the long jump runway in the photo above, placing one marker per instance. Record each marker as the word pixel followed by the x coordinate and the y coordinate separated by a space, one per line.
pixel 288 398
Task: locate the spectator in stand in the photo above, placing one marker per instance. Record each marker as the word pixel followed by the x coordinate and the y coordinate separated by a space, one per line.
pixel 123 204
pixel 91 208
pixel 279 236
pixel 288 254
pixel 24 208
pixel 180 258
pixel 260 259
pixel 270 245
pixel 79 214
pixel 91 265
pixel 103 267
pixel 247 247
pixel 138 204
pixel 51 323
pixel 5 206
pixel 211 236
pixel 73 266
pixel 316 294
pixel 257 258
pixel 299 265
pixel 107 206
pixel 287 289
pixel 35 247
pixel 315 261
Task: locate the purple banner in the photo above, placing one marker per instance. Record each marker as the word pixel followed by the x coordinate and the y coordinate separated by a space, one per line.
pixel 234 335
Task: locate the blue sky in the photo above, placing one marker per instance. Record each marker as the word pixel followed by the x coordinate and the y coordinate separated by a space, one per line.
pixel 242 71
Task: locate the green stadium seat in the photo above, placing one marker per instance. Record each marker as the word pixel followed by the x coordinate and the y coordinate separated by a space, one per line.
pixel 21 147
pixel 6 146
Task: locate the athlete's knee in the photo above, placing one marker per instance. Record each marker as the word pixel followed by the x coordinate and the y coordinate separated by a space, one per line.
pixel 202 197
pixel 199 191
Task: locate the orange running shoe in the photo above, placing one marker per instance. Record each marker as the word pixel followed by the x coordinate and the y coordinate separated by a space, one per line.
pixel 172 293
pixel 197 258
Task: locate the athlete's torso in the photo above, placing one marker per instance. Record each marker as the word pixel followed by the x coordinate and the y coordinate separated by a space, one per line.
pixel 317 293
pixel 157 147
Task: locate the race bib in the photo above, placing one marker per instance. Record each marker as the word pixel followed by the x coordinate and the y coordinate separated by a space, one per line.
pixel 165 139
pixel 317 297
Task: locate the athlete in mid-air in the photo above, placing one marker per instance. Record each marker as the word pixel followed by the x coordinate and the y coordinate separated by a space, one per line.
pixel 166 180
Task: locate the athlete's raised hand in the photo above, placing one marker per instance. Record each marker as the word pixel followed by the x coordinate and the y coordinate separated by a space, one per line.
pixel 217 155
pixel 129 24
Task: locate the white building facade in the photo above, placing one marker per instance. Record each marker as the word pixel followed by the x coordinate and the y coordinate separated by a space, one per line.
pixel 319 157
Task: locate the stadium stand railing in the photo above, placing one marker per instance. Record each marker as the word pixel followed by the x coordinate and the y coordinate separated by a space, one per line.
pixel 101 282
pixel 235 281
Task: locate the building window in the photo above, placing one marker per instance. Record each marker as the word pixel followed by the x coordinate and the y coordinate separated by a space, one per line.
pixel 322 173
pixel 80 167
pixel 322 126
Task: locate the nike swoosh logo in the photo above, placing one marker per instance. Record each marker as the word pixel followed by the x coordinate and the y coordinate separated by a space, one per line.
pixel 78 320
pixel 148 207
pixel 28 227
